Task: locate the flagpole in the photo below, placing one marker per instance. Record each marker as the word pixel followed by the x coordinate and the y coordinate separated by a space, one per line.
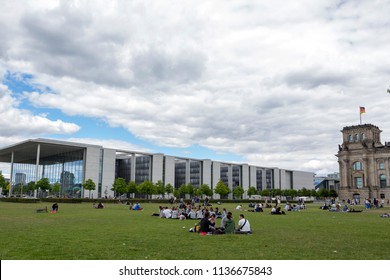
pixel 360 114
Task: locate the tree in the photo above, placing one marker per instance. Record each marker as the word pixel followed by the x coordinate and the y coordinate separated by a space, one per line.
pixel 323 193
pixel 119 186
pixel 168 188
pixel 183 190
pixel 3 183
pixel 205 189
pixel 56 188
pixel 293 193
pixel 333 193
pixel 90 186
pixel 147 188
pixel 251 191
pixel 31 186
pixel 132 187
pixel 198 192
pixel 43 184
pixel 265 193
pixel 221 189
pixel 160 187
pixel 277 192
pixel 238 192
pixel 190 189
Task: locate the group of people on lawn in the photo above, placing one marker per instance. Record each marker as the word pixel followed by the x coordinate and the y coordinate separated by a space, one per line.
pixel 207 217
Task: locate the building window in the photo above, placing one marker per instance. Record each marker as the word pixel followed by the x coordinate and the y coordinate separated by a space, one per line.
pixel 350 138
pixel 357 166
pixel 382 165
pixel 363 136
pixel 356 137
pixel 358 182
pixel 382 181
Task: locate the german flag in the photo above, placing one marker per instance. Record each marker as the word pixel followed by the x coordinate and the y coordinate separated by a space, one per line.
pixel 362 110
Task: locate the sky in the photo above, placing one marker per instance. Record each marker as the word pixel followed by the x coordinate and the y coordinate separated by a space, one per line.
pixel 269 83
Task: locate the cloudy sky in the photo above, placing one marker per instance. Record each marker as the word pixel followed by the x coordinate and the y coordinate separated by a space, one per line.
pixel 269 83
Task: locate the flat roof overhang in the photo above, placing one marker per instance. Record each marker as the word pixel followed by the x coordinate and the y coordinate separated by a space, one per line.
pixel 27 151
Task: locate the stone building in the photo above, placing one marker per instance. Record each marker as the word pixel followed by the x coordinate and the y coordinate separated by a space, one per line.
pixel 364 164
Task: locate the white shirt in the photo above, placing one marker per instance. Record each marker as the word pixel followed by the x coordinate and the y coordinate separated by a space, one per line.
pixel 246 227
pixel 167 213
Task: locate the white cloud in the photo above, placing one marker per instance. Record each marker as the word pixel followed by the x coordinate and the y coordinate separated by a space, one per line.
pixel 18 122
pixel 272 81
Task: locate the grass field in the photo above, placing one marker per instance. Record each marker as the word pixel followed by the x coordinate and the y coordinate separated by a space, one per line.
pixel 80 232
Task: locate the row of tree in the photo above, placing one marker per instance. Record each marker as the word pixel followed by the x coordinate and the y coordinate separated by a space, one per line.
pixel 148 188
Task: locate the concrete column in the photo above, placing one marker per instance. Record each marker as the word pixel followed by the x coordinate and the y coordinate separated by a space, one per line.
pixel 188 171
pixel 132 171
pixel 11 175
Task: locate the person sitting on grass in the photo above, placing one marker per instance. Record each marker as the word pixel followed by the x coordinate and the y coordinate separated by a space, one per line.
pixel 227 223
pixel 54 208
pixel 205 225
pixel 98 206
pixel 212 219
pixel 277 211
pixel 137 207
pixel 244 226
pixel 175 213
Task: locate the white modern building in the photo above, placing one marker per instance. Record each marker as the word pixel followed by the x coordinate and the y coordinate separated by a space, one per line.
pixel 71 164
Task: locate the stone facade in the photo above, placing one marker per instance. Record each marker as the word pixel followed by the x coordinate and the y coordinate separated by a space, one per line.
pixel 364 164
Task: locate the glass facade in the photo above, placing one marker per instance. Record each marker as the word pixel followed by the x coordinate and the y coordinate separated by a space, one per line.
pixel 123 169
pixel 143 165
pixel 268 179
pixel 259 179
pixel 225 174
pixel 180 173
pixel 64 168
pixel 195 173
pixel 236 176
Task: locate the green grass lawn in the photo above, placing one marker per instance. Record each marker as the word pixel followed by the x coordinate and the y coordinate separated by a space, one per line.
pixel 80 232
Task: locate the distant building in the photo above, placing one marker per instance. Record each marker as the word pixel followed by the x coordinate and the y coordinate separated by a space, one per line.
pixel 364 164
pixel 329 182
pixel 71 164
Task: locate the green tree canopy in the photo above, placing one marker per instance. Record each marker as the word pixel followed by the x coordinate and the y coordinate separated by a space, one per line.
pixel 251 191
pixel 160 187
pixel 221 189
pixel 304 192
pixel 277 192
pixel 323 193
pixel 3 183
pixel 132 187
pixel 56 187
pixel 44 184
pixel 238 192
pixel 119 186
pixel 293 193
pixel 168 188
pixel 147 188
pixel 205 190
pixel 265 193
pixel 90 186
pixel 31 186
pixel 333 193
pixel 183 190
